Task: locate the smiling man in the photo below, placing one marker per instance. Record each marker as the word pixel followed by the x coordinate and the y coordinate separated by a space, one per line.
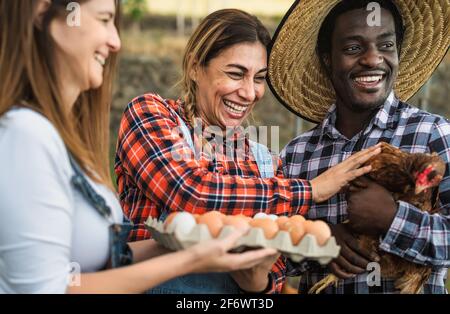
pixel 362 63
pixel 352 78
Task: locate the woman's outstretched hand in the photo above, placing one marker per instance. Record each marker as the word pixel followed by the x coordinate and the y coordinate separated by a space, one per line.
pixel 256 278
pixel 334 179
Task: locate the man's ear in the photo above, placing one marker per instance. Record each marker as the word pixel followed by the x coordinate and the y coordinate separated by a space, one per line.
pixel 41 9
pixel 326 61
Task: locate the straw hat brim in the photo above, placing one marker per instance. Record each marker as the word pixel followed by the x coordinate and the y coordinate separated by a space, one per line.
pixel 298 80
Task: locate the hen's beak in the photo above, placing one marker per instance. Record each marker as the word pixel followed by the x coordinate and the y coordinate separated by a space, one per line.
pixel 420 189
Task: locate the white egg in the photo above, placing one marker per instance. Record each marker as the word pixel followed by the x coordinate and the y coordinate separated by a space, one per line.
pixel 260 216
pixel 183 223
pixel 273 217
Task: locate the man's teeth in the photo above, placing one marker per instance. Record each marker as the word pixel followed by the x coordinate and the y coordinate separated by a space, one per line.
pixel 100 59
pixel 369 79
pixel 237 109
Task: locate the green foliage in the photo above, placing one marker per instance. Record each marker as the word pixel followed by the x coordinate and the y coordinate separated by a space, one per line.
pixel 135 8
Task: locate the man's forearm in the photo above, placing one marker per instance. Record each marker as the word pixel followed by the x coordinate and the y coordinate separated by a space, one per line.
pixel 419 236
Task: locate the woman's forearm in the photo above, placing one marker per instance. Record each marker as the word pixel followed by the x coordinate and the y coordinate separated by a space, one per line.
pixel 137 278
pixel 146 249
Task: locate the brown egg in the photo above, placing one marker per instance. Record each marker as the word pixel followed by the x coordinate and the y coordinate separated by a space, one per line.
pixel 281 221
pixel 213 220
pixel 296 230
pixel 196 216
pixel 238 221
pixel 169 219
pixel 270 227
pixel 215 213
pixel 320 230
pixel 248 219
pixel 298 218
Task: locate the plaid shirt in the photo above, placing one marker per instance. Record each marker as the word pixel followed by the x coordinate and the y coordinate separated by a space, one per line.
pixel 151 181
pixel 414 235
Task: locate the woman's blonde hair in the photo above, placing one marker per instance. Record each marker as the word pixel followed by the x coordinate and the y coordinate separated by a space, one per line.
pixel 28 78
pixel 217 32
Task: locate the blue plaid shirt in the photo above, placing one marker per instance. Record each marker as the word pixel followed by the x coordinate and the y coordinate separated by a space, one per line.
pixel 414 235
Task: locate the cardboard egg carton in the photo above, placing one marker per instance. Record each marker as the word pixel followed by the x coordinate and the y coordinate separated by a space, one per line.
pixel 306 249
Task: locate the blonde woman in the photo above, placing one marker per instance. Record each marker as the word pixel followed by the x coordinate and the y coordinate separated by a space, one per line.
pixel 224 70
pixel 58 209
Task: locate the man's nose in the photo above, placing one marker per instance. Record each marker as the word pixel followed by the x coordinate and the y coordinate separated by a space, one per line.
pixel 372 58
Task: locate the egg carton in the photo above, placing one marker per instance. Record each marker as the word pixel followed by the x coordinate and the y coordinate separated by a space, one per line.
pixel 306 249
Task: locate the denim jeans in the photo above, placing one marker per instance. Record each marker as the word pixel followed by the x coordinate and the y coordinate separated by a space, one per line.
pixel 208 283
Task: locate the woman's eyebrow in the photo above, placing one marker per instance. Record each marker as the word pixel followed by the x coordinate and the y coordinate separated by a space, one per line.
pixel 244 69
pixel 262 70
pixel 109 13
pixel 240 67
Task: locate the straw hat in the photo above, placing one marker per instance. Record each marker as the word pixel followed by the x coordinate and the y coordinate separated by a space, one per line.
pixel 300 83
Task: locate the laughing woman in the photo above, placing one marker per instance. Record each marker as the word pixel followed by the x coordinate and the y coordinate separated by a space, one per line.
pixel 58 208
pixel 224 70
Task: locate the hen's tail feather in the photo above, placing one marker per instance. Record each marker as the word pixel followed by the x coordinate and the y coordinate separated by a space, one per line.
pixel 411 283
pixel 323 284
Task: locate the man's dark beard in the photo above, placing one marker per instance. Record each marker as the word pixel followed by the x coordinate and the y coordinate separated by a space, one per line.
pixel 373 112
pixel 375 106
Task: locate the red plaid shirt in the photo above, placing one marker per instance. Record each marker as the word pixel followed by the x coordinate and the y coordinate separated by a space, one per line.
pixel 151 180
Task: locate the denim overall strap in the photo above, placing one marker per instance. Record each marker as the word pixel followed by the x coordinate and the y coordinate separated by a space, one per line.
pixel 186 133
pixel 263 160
pixel 95 200
pixel 208 283
pixel 120 253
pixel 187 136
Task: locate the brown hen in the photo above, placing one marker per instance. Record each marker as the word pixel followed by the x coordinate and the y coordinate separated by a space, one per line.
pixel 412 178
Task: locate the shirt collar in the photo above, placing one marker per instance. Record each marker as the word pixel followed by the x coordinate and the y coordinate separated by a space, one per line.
pixel 384 118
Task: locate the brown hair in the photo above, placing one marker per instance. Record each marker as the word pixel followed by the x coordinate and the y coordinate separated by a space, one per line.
pixel 27 78
pixel 217 32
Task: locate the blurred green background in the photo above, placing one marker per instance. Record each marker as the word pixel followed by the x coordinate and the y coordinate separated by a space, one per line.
pixel 155 32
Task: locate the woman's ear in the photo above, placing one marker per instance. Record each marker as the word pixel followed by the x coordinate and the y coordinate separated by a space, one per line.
pixel 194 71
pixel 41 9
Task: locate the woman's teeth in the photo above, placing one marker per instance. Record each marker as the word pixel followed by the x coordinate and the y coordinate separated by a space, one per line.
pixel 100 59
pixel 234 108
